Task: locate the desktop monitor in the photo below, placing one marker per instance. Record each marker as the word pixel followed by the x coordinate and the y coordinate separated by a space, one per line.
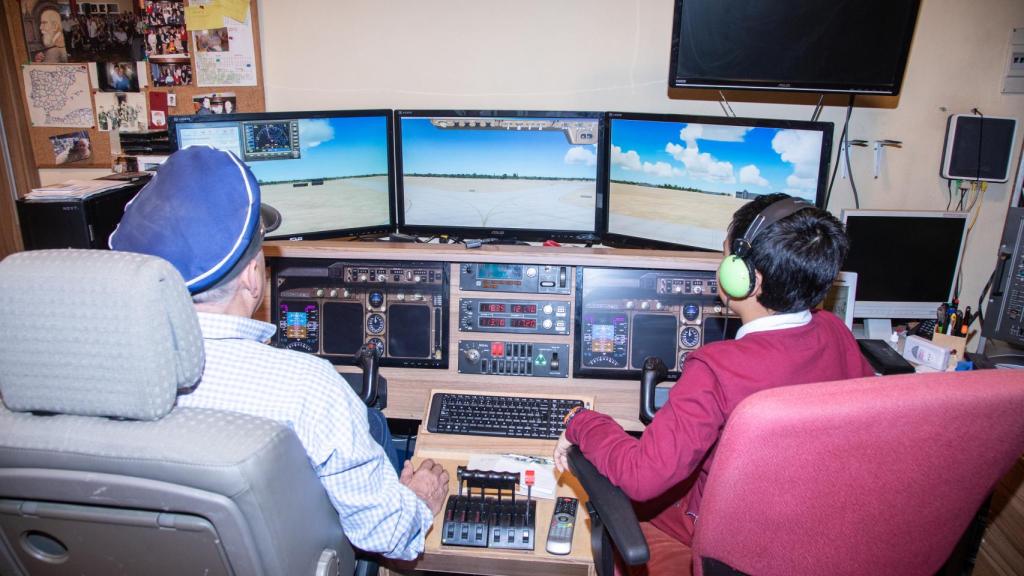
pixel 326 172
pixel 503 174
pixel 906 263
pixel 675 181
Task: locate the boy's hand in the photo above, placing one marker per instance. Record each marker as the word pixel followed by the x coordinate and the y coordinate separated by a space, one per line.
pixel 561 454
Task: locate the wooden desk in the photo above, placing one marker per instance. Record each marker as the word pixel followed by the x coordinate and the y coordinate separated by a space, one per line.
pixel 452 451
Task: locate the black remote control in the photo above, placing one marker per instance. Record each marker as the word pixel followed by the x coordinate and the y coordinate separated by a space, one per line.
pixel 563 520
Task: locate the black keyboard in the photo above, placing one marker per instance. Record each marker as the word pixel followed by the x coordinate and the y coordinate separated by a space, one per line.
pixel 510 416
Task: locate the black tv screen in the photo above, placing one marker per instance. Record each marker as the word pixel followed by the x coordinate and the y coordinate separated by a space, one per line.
pixel 849 46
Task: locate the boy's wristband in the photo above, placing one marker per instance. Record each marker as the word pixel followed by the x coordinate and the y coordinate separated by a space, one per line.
pixel 571 414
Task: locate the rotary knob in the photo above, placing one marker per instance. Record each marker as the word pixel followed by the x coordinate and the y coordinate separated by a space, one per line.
pixel 473 355
pixel 547 324
pixel 548 309
pixel 319 292
pixel 645 305
pixel 531 272
pixel 333 293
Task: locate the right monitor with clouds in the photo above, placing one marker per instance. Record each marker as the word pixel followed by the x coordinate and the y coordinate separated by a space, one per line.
pixel 676 180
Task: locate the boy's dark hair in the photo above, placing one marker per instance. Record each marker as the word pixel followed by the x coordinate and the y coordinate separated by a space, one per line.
pixel 798 257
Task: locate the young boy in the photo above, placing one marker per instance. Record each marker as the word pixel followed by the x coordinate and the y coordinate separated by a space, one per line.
pixel 794 251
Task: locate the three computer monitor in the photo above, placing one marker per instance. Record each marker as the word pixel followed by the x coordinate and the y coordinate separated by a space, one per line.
pixel 906 262
pixel 500 174
pixel 675 180
pixel 327 173
pixel 643 180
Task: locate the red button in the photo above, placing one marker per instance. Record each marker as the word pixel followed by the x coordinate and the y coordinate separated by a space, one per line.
pixel 497 349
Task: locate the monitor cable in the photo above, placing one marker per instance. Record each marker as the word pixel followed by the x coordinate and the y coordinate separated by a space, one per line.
pixel 842 144
pixel 726 107
pixel 818 107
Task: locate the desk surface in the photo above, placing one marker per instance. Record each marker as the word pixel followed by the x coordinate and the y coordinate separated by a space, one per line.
pixel 452 451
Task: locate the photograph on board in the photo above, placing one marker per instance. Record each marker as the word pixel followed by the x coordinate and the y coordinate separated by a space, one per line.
pixel 64 31
pixel 71 147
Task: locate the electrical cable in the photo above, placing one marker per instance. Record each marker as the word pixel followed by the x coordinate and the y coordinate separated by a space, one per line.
pixel 849 170
pixel 842 144
pixel 981 133
pixel 981 298
pixel 949 191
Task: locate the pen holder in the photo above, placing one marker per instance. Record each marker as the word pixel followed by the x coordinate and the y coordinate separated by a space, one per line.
pixel 956 344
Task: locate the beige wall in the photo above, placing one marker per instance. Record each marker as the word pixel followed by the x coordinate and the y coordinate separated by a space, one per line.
pixel 613 55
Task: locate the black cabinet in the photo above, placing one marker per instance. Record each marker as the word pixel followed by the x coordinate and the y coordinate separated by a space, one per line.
pixel 73 223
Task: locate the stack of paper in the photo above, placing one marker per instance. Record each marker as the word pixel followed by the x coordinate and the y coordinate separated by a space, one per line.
pixel 73 189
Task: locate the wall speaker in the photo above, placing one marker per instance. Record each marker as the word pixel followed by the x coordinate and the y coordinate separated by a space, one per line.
pixel 978 147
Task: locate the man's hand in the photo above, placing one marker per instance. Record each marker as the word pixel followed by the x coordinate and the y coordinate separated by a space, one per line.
pixel 561 454
pixel 429 482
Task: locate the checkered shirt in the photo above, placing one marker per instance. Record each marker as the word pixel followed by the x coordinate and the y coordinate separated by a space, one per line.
pixel 243 374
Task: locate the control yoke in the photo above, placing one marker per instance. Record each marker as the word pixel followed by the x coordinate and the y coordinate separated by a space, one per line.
pixel 654 371
pixel 368 358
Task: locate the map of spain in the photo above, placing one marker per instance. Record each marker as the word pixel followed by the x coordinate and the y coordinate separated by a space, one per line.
pixel 58 96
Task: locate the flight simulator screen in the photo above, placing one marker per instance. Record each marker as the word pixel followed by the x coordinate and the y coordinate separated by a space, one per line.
pixel 496 172
pixel 677 180
pixel 325 174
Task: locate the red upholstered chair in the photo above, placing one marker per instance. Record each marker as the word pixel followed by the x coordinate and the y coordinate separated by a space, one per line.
pixel 865 476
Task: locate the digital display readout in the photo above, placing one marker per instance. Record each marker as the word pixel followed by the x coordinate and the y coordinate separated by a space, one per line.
pixel 524 308
pixel 524 323
pixel 492 322
pixel 492 307
pixel 499 272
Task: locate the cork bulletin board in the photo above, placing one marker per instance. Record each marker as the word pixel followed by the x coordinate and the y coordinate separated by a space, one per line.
pixel 246 98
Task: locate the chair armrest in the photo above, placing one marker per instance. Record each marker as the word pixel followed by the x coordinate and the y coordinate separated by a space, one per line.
pixel 614 507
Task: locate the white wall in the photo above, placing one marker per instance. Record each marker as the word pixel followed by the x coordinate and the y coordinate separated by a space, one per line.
pixel 613 55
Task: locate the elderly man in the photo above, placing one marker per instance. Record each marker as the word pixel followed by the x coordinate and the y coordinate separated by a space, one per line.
pixel 202 213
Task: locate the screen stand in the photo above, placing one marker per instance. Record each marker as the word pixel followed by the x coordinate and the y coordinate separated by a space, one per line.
pixel 877 328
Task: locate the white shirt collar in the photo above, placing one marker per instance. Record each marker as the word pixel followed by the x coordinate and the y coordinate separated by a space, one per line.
pixel 775 322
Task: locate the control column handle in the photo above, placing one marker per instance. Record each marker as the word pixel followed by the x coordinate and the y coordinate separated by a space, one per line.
pixel 654 371
pixel 368 358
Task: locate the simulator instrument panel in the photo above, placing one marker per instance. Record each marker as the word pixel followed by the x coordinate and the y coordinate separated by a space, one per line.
pixel 492 324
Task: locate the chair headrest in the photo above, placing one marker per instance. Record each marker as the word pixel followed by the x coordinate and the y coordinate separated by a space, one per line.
pixel 95 333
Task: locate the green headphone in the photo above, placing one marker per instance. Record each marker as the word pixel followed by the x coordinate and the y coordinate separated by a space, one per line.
pixel 736 274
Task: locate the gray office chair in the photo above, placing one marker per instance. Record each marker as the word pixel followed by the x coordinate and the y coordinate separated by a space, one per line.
pixel 100 474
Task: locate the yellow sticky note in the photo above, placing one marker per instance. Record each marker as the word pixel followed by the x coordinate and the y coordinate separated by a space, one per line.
pixel 235 9
pixel 204 17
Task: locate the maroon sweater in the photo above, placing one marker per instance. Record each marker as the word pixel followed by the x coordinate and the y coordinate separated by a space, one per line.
pixel 667 468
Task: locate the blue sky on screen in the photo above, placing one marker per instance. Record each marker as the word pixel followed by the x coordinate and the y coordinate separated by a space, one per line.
pixel 332 148
pixel 715 157
pixel 426 149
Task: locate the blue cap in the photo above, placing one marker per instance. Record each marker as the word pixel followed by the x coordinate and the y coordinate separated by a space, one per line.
pixel 201 213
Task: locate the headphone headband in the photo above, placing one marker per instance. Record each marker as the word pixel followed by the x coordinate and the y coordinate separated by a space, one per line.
pixel 770 215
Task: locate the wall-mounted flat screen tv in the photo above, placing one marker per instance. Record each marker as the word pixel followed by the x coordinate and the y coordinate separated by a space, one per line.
pixel 848 46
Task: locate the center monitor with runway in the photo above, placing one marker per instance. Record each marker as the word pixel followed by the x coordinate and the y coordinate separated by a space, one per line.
pixel 675 180
pixel 505 174
pixel 625 315
pixel 331 308
pixel 327 173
